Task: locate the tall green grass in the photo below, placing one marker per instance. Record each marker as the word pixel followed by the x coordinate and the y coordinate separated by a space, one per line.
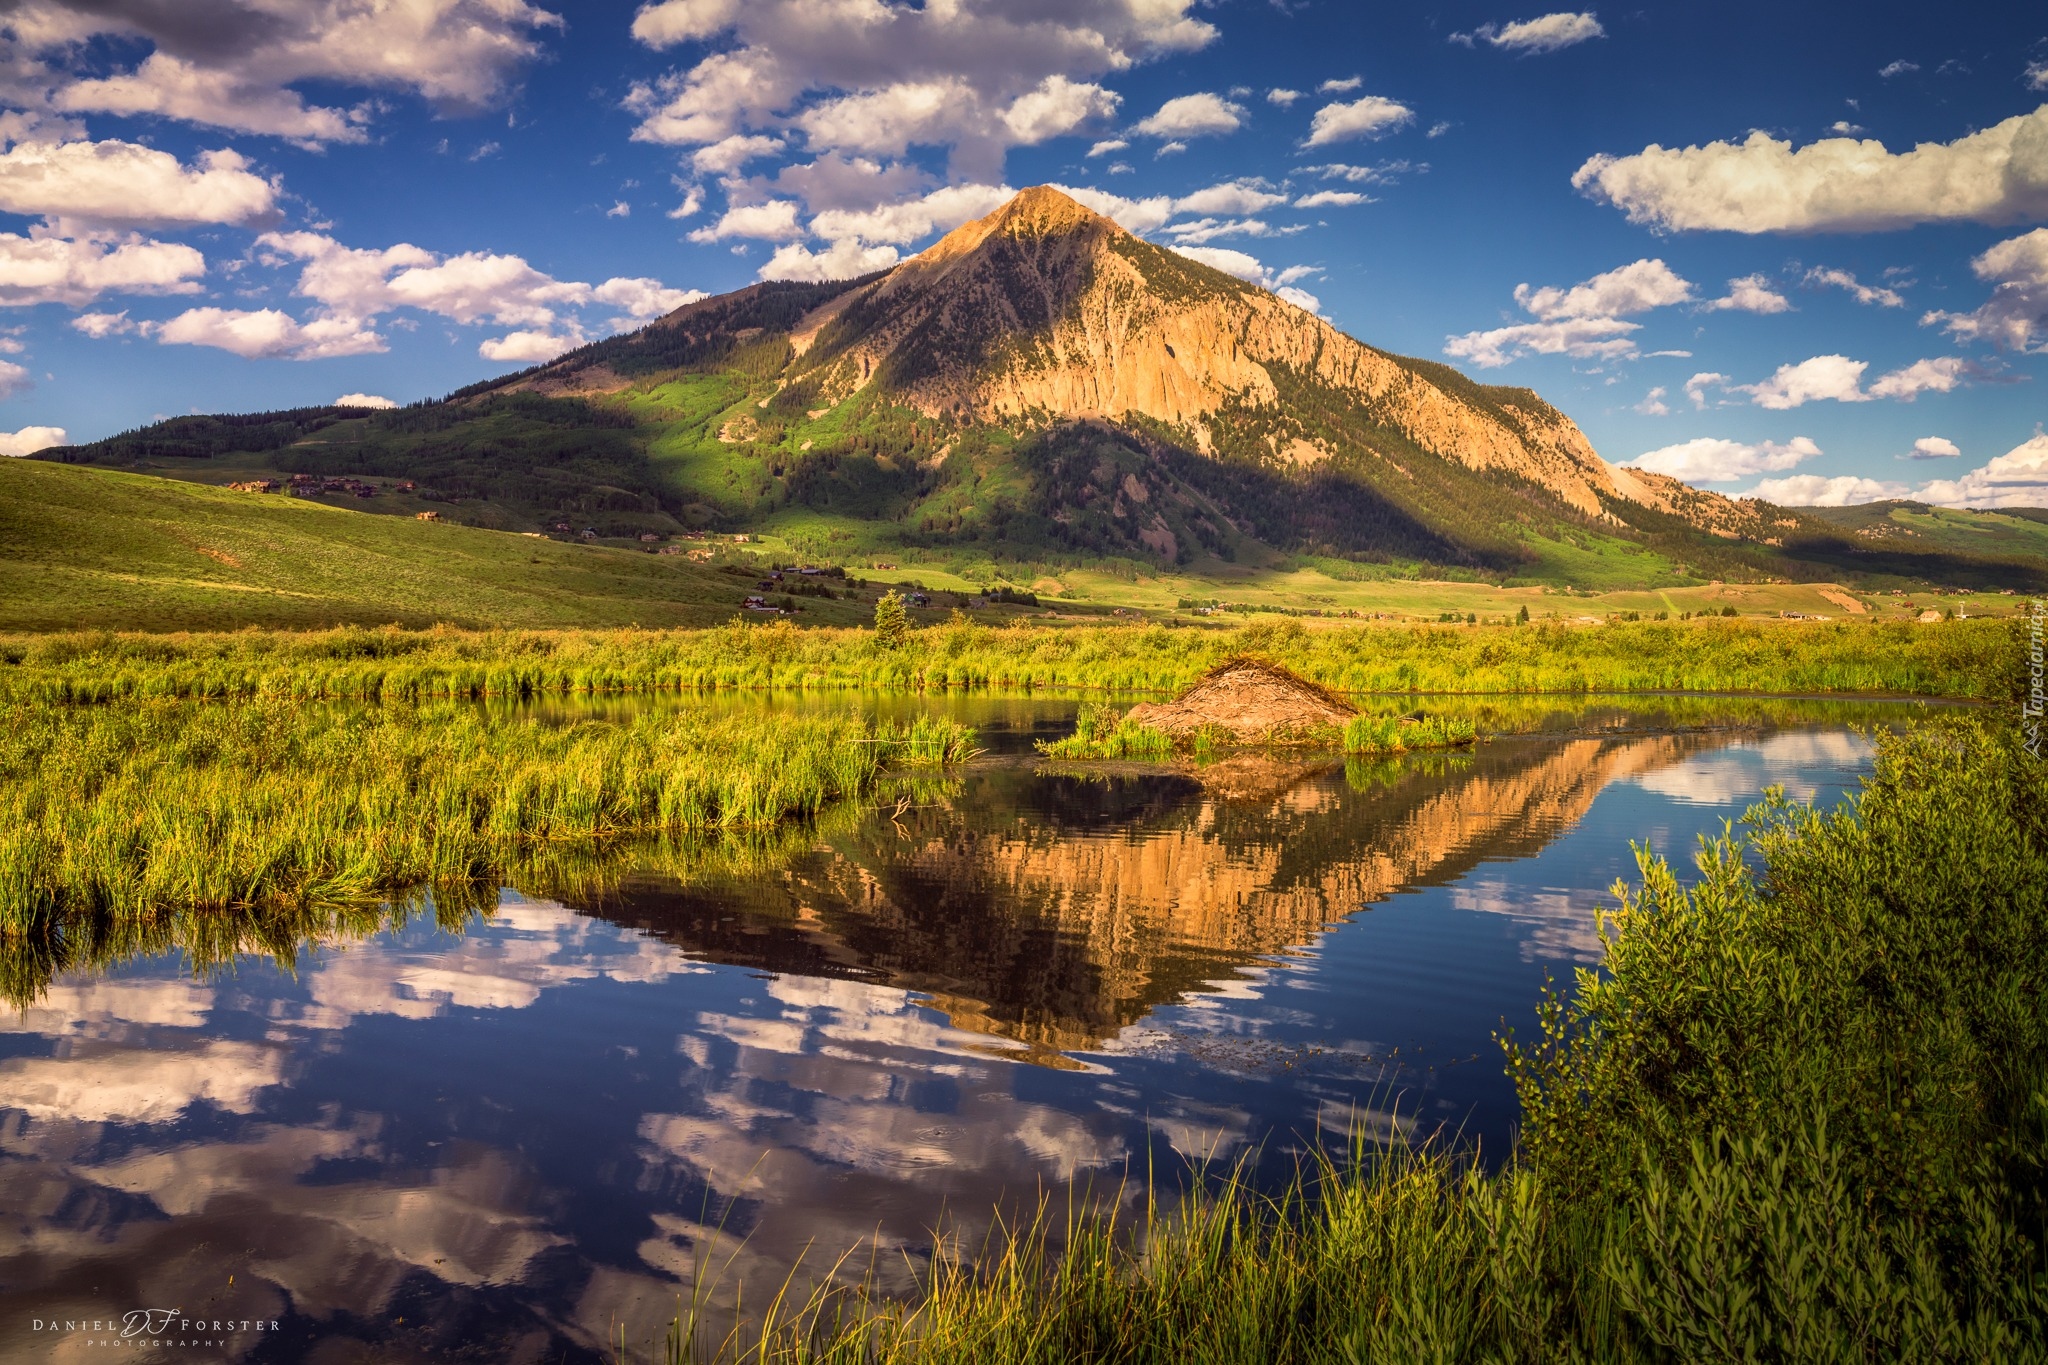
pixel 1104 732
pixel 1399 734
pixel 120 810
pixel 1799 1114
pixel 1964 659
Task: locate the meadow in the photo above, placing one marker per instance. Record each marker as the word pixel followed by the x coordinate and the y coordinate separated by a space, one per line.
pixel 1800 1113
pixel 1972 659
pixel 120 812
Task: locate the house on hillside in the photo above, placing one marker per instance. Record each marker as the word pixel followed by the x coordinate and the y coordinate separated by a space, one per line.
pixel 427 516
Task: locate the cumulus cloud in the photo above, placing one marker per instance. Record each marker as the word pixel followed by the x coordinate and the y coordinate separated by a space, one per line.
pixel 1586 321
pixel 843 260
pixel 1838 378
pixel 975 79
pixel 1197 115
pixel 1282 97
pixel 48 269
pixel 1248 268
pixel 1332 199
pixel 1934 448
pixel 1108 145
pixel 100 326
pixel 907 221
pixel 267 334
pixel 122 185
pixel 363 400
pixel 527 347
pixel 2016 314
pixel 29 440
pixel 1342 86
pixel 2018 478
pixel 1697 386
pixel 1828 278
pixel 1815 490
pixel 1653 404
pixel 1763 184
pixel 1232 196
pixel 773 221
pixel 1709 459
pixel 1372 116
pixel 642 299
pixel 1548 33
pixel 1751 294
pixel 729 154
pixel 234 63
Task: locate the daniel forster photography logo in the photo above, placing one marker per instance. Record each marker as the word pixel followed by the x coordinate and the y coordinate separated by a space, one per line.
pixel 154 1329
pixel 2037 696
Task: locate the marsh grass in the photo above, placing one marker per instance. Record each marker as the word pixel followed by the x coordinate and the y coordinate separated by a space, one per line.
pixel 1400 734
pixel 1104 732
pixel 1962 659
pixel 124 810
pixel 1800 1114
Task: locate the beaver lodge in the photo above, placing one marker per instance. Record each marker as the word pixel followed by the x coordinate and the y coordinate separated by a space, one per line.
pixel 1255 701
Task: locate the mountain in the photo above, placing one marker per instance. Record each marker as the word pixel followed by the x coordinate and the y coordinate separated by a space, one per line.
pixel 1042 386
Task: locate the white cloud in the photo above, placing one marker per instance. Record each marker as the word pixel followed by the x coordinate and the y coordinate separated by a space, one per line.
pixel 472 287
pixel 1697 386
pixel 905 222
pixel 1340 87
pixel 1133 215
pixel 1197 115
pixel 29 440
pixel 100 326
pixel 1864 293
pixel 1332 199
pixel 2018 478
pixel 621 209
pixel 1708 459
pixel 101 185
pixel 729 154
pixel 1834 185
pixel 1934 448
pixel 1170 149
pixel 1581 338
pixel 1898 68
pixel 1822 377
pixel 1232 196
pixel 1815 490
pixel 1633 288
pixel 363 400
pixel 1439 128
pixel 1751 294
pixel 2037 75
pixel 14 379
pixel 693 202
pixel 1202 230
pixel 642 299
pixel 973 78
pixel 1653 404
pixel 843 260
pixel 1836 377
pixel 526 347
pixel 1549 33
pixel 1300 298
pixel 1282 97
pixel 1386 173
pixel 773 221
pixel 1108 145
pixel 2016 314
pixel 1943 374
pixel 1845 128
pixel 233 63
pixel 45 269
pixel 1372 116
pixel 267 334
pixel 1586 321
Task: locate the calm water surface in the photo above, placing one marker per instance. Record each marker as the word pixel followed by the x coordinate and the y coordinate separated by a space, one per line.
pixel 509 1141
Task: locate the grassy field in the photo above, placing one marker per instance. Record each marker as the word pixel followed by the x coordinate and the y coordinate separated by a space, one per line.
pixel 84 548
pixel 1960 659
pixel 121 811
pixel 1800 1114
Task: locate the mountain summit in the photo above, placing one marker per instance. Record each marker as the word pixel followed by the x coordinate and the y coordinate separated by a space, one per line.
pixel 1039 384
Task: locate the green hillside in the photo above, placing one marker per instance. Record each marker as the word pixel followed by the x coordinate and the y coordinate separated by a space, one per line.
pixel 89 548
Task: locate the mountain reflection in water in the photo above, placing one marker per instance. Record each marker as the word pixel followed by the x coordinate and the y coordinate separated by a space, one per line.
pixel 506 1137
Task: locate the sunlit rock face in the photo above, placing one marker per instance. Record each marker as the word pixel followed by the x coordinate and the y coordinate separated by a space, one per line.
pixel 1046 309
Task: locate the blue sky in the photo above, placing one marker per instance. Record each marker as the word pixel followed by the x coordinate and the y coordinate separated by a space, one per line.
pixel 1754 245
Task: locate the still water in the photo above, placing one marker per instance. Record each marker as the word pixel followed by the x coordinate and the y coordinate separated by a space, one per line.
pixel 512 1139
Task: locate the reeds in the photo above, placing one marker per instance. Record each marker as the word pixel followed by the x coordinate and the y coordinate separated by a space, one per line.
pixel 1106 733
pixel 124 810
pixel 1400 734
pixel 1968 659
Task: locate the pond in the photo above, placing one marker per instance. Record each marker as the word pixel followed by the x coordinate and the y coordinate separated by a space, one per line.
pixel 520 1134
